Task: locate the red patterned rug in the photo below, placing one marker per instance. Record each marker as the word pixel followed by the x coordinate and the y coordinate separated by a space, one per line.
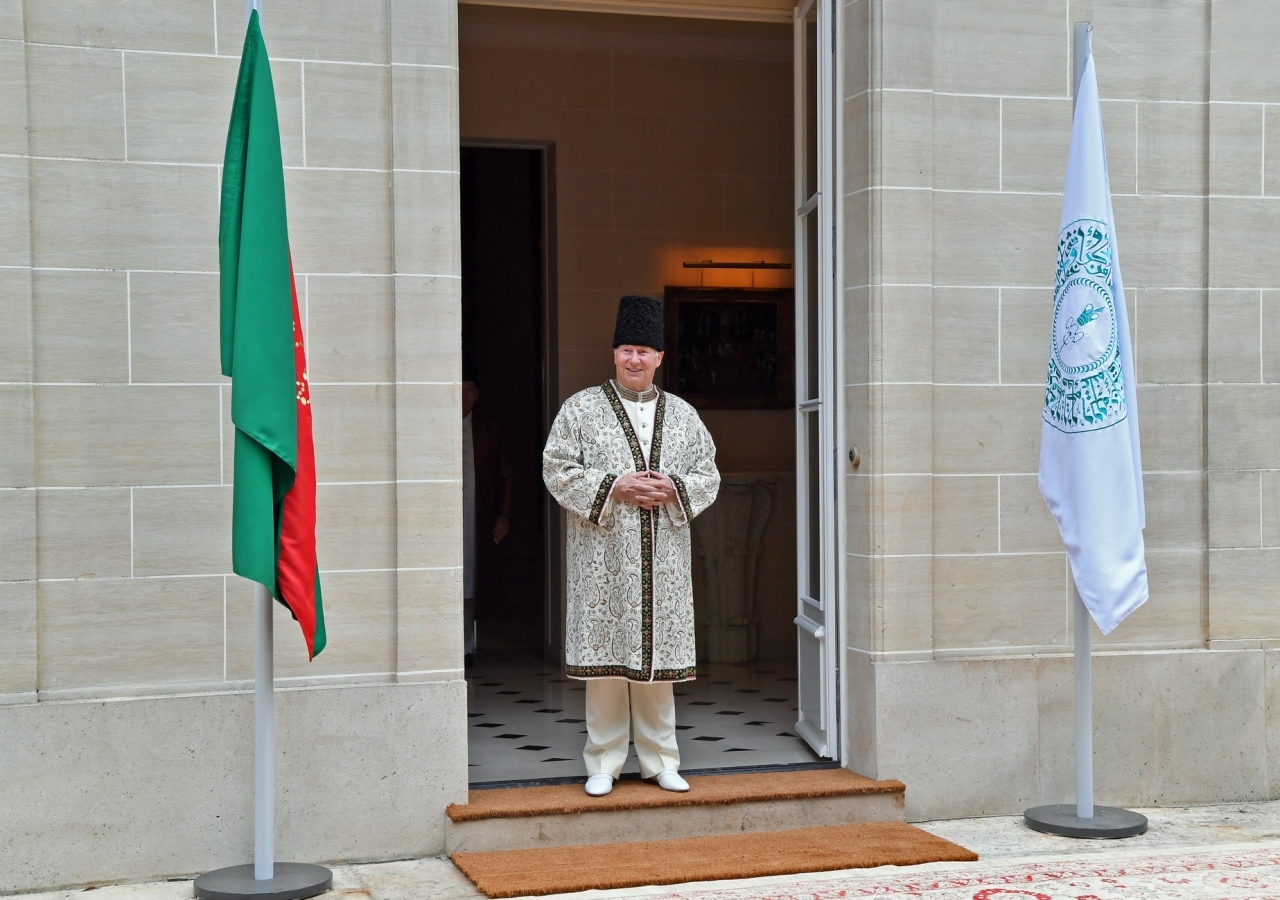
pixel 1221 874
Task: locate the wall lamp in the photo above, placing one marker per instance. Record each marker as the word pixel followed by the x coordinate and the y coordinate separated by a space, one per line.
pixel 712 264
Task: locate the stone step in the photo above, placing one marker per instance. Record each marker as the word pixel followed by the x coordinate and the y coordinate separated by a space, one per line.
pixel 561 815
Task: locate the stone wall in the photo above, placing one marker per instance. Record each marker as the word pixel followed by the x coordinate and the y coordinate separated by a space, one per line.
pixel 115 437
pixel 957 125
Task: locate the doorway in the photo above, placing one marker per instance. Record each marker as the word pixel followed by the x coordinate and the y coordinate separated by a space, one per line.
pixel 669 142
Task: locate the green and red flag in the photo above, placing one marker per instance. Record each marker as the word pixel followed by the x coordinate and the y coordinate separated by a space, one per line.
pixel 273 538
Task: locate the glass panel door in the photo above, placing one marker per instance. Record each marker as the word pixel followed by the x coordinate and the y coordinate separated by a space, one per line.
pixel 815 382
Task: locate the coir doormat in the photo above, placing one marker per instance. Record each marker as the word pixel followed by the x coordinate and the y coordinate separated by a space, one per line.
pixel 581 867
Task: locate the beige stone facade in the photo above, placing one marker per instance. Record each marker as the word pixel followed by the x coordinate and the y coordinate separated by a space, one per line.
pixel 125 654
pixel 115 439
pixel 957 119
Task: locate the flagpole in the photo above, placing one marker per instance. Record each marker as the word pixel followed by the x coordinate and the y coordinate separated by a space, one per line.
pixel 264 720
pixel 1084 820
pixel 265 879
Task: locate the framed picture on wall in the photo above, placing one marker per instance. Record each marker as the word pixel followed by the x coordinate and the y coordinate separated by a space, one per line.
pixel 731 348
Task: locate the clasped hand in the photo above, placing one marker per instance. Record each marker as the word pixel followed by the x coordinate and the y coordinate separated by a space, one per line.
pixel 647 490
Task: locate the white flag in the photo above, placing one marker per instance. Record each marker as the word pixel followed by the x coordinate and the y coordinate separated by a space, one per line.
pixel 1090 458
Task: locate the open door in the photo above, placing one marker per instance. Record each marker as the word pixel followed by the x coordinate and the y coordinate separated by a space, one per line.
pixel 815 200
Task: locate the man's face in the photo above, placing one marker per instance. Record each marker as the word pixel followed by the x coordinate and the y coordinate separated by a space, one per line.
pixel 635 366
pixel 470 394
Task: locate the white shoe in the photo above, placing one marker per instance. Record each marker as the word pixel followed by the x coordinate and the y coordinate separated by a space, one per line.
pixel 670 780
pixel 599 784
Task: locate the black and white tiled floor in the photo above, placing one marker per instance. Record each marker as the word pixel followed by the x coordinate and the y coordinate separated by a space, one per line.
pixel 526 719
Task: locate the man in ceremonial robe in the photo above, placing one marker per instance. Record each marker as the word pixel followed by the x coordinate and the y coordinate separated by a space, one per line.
pixel 632 465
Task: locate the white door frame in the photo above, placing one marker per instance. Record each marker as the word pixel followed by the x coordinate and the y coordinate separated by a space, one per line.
pixel 819 563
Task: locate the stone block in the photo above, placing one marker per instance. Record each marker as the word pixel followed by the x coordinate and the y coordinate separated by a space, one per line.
pixel 174 330
pixel 1242 594
pixel 1035 136
pixel 96 633
pixel 966 514
pixel 905 423
pixel 1271 152
pixel 359 616
pixel 341 221
pixel 995 239
pixel 427 228
pixel 999 601
pixel 348 109
pixel 1172 62
pixel 1234 224
pixel 351 328
pixel 966 142
pixel 424 118
pixel 1172 146
pixel 424 32
pixel 1270 509
pixel 906 603
pixel 142 217
pixel 1026 525
pixel 16 239
pixel 108 435
pixel 80 324
pixel 295 29
pixel 1235 509
pixel 428 323
pixel 1026 315
pixel 1236 148
pixel 1162 240
pixel 1168 334
pixel 17 535
pixel 183 26
pixel 857 145
pixel 906 219
pixel 983 711
pixel 1174 612
pixel 963 319
pixel 909 360
pixel 84 533
pixel 15 325
pixel 17 429
pixel 198 778
pixel 986 429
pixel 355 527
pixel 13 93
pixel 902 325
pixel 905 503
pixel 1120 130
pixel 1175 510
pixel 182 531
pixel 1172 427
pixel 354 432
pixel 1242 426
pixel 1241 52
pixel 1202 728
pixel 905 145
pixel 429 524
pixel 1001 47
pixel 1270 336
pixel 428 621
pixel 75 102
pixel 428 431
pixel 18 655
pixel 178 106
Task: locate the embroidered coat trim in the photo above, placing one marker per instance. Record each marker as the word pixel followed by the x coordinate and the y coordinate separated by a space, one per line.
pixel 629 571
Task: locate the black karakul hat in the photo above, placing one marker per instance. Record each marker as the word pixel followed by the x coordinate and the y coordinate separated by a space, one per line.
pixel 640 322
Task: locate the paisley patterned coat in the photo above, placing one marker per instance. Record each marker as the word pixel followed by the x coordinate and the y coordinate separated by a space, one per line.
pixel 630 586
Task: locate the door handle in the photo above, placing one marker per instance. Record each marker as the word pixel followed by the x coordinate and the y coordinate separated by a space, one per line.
pixel 818 631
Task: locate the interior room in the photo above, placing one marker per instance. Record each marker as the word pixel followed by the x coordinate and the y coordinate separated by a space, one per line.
pixel 606 155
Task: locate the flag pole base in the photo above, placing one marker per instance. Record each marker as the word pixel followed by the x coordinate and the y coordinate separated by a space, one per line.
pixel 292 881
pixel 1107 821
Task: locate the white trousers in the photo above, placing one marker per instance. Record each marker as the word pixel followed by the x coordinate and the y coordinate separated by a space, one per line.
pixel 615 704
